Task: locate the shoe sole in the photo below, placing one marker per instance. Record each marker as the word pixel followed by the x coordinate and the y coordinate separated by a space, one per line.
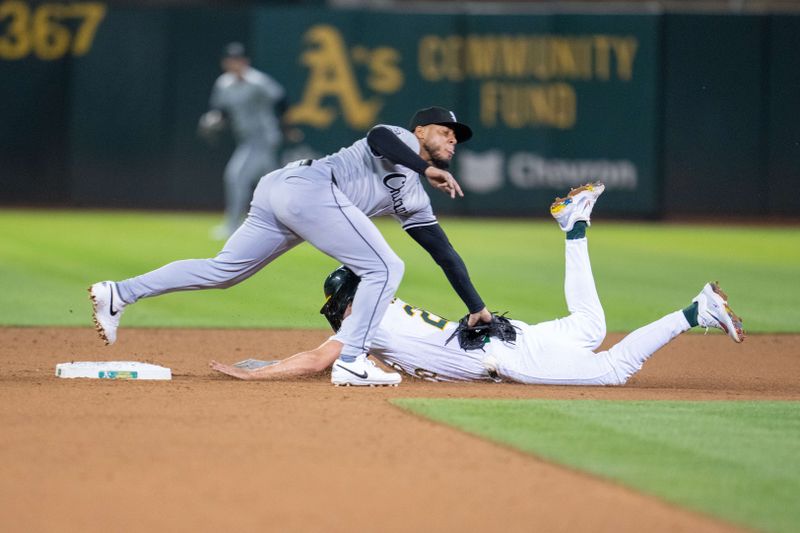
pixel 100 330
pixel 738 331
pixel 559 203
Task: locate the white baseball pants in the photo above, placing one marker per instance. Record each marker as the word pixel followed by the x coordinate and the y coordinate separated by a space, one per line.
pixel 560 352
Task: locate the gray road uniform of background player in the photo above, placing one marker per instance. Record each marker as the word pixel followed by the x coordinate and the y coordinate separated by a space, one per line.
pixel 326 202
pixel 251 102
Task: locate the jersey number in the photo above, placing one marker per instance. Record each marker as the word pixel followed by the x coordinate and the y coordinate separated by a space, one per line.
pixel 421 373
pixel 428 318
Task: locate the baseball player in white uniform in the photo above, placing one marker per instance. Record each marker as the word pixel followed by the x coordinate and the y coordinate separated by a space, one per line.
pixel 328 202
pixel 251 102
pixel 559 352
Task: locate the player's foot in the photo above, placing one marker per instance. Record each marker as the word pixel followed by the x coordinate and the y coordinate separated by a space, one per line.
pixel 362 372
pixel 713 311
pixel 107 309
pixel 577 205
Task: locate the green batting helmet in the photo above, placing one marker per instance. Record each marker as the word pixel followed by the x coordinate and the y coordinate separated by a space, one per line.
pixel 340 288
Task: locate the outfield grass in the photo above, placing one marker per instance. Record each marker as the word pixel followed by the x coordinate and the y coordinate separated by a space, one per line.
pixel 643 270
pixel 734 460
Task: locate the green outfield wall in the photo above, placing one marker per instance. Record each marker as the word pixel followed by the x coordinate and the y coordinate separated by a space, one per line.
pixel 677 113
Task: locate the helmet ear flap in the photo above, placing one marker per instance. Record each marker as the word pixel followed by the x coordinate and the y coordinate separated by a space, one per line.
pixel 340 289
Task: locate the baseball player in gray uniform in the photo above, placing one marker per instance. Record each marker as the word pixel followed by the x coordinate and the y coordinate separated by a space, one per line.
pixel 559 352
pixel 252 103
pixel 328 202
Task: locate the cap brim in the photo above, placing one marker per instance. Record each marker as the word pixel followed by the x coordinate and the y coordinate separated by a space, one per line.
pixel 462 131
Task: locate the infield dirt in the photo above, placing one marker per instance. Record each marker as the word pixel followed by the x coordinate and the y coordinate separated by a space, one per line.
pixel 208 453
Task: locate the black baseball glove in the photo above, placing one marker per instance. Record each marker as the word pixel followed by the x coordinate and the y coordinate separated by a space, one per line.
pixel 475 337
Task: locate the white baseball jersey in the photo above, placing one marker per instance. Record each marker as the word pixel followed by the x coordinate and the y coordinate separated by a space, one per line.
pixel 414 341
pixel 379 187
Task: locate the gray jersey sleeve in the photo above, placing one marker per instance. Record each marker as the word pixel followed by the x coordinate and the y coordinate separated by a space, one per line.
pixel 270 88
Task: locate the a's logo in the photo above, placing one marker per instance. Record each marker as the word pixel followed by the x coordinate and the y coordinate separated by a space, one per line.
pixel 332 78
pixel 395 182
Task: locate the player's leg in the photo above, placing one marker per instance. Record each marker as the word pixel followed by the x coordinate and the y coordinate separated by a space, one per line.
pixel 709 309
pixel 259 159
pixel 544 359
pixel 585 325
pixel 256 243
pixel 238 180
pixel 320 213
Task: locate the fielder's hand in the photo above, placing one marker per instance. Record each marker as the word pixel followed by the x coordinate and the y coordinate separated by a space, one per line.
pixel 481 316
pixel 444 181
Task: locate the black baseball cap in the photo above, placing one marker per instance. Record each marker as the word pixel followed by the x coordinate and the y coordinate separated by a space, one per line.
pixel 235 50
pixel 440 115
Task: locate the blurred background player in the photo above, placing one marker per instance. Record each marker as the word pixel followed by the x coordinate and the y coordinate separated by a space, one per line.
pixel 558 352
pixel 252 104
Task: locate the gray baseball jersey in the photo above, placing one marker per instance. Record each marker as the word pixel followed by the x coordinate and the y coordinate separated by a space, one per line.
pixel 249 103
pixel 389 189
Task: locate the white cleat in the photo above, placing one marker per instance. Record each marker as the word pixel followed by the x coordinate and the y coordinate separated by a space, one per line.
pixel 362 373
pixel 713 312
pixel 577 205
pixel 107 309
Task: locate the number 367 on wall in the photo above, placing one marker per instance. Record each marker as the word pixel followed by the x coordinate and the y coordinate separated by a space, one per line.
pixel 48 31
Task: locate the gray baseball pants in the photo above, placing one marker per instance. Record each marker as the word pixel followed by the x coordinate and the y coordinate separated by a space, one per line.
pixel 250 161
pixel 292 205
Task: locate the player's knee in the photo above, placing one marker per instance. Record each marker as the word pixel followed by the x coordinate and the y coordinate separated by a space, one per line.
pixel 396 268
pixel 388 273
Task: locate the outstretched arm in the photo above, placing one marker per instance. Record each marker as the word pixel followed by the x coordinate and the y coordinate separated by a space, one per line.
pixel 434 240
pixel 299 364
